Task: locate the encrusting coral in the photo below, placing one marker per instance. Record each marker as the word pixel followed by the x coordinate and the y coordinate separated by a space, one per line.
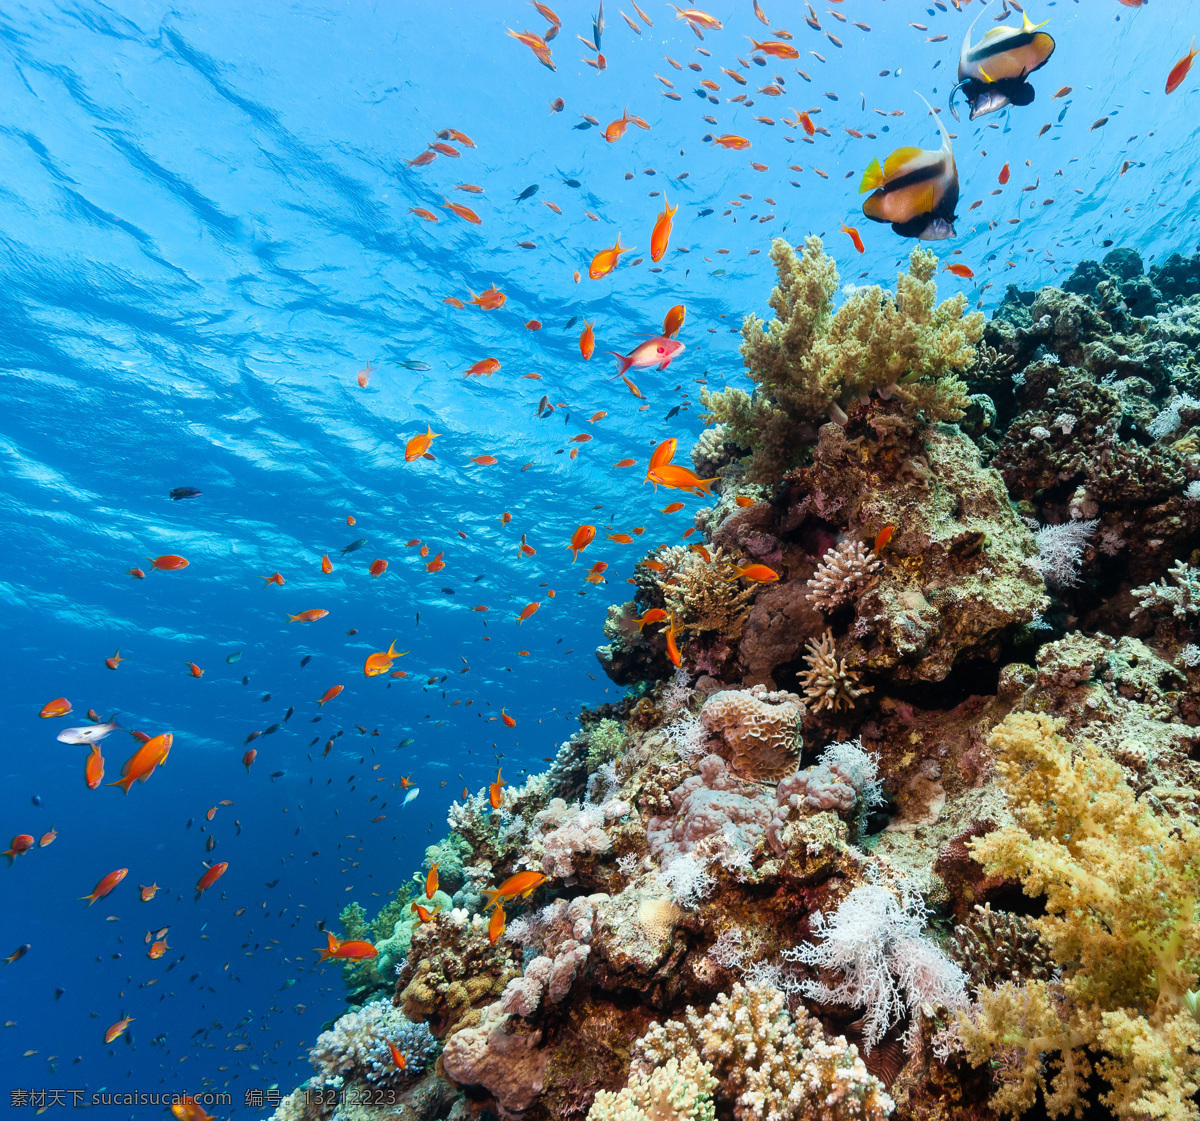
pixel 1121 922
pixel 810 361
pixel 759 731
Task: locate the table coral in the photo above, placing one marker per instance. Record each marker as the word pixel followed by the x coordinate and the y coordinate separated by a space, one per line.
pixel 760 731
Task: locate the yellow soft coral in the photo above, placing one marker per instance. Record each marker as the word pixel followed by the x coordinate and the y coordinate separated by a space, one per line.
pixel 810 359
pixel 1120 886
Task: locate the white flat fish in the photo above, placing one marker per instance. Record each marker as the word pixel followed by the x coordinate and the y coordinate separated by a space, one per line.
pixel 92 733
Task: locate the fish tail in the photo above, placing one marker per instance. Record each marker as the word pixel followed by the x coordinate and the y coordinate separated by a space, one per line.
pixel 124 782
pixel 623 361
pixel 705 485
pixel 872 178
pixel 90 899
pixel 493 898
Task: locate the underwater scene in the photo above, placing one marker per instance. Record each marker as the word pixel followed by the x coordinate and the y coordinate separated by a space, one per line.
pixel 600 561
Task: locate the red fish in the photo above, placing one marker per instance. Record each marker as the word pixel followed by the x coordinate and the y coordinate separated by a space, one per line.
pixel 60 706
pixel 119 1028
pixel 211 876
pixel 1180 70
pixel 351 950
pixel 248 758
pixel 309 616
pixel 496 791
pixel 526 611
pixel 507 720
pixel 169 562
pixel 606 260
pixel 194 669
pixel 274 578
pixel 19 845
pixel 854 237
pixel 587 340
pixel 580 540
pixel 463 212
pixel 378 567
pixel 105 886
pixel 93 770
pixel 485 367
pixel 960 271
pixel 659 351
pixel 1002 178
pixel 330 693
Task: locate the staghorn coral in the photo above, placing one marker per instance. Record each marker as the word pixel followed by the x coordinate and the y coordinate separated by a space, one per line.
pixel 356 1047
pixel 1121 923
pixel 1183 600
pixel 768 1065
pixel 760 731
pixel 700 595
pixel 827 682
pixel 810 360
pixel 676 1091
pixel 844 571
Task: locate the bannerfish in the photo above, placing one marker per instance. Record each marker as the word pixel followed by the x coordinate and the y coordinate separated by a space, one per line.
pixel 992 74
pixel 916 190
pixel 92 733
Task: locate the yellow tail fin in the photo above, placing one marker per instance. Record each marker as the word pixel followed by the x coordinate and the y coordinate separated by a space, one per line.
pixel 872 178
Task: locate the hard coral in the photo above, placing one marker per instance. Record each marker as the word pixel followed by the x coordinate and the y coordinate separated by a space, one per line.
pixel 844 571
pixel 356 1047
pixel 769 1066
pixel 1183 600
pixel 811 360
pixel 502 1057
pixel 699 594
pixel 1121 922
pixel 676 1091
pixel 828 683
pixel 760 731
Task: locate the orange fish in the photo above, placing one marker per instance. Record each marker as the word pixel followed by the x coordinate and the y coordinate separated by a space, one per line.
pixel 436 565
pixel 700 551
pixel 606 260
pixel 397 1057
pixel 674 320
pixel 536 44
pixel 507 720
pixel 248 758
pixel 60 706
pixel 105 886
pixel 210 877
pixel 672 648
pixel 446 150
pixel 661 235
pixel 580 540
pixel 274 578
pixel 195 670
pixel 597 416
pixel 431 882
pixel 147 891
pixel 18 846
pixel 496 791
pixel 526 611
pixel 421 212
pixel 959 270
pixel 458 137
pixel 673 508
pixel 758 573
pixel 854 236
pixel 380 662
pixel 490 300
pixel 426 157
pixel 346 951
pixel 157 949
pixel 425 914
pixel 654 615
pixel 93 769
pixel 364 376
pixel 118 1029
pixel 525 549
pixel 625 463
pixel 520 885
pixel 805 122
pixel 188 1109
pixel 378 567
pixel 485 367
pixel 326 564
pixel 596 573
pixel 143 762
pixel 680 478
pixel 884 537
pixel 616 130
pixel 115 660
pixel 774 48
pixel 734 143
pixel 309 616
pixel 620 538
pixel 330 693
pixel 533 325
pixel 1003 176
pixel 1180 70
pixel 485 460
pixel 136 573
pixel 463 212
pixel 587 340
pixel 664 453
pixel 419 445
pixel 168 563
pixel 496 925
pixel 743 501
pixel 654 566
pixel 47 838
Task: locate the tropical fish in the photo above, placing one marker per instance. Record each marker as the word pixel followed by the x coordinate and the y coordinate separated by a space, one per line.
pixel 431 882
pixel 654 615
pixel 507 720
pixel 915 190
pixel 91 733
pixel 330 693
pixel 354 546
pixel 115 660
pixel 418 446
pixel 381 662
pixel 93 769
pixel 758 573
pixel 413 792
pixel 527 611
pixel 1180 70
pixel 18 846
pixel 606 260
pixel 147 891
pixel 47 838
pixel 992 73
pixel 679 478
pixel 659 351
pixel 854 236
pixel 211 875
pixel 17 954
pixel 351 950
pixel 309 616
pixel 426 914
pixel 587 340
pixel 194 669
pixel 378 568
pixel 490 299
pixel 674 320
pixel 274 578
pixel 520 885
pixel 105 886
pixel 143 762
pixel 248 758
pixel 774 48
pixel 185 492
pixel 188 1109
pixel 496 791
pixel 118 1029
pixel 169 562
pixel 496 924
pixel 580 540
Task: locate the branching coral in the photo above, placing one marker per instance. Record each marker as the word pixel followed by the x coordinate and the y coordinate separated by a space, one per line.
pixel 768 1066
pixel 606 740
pixel 357 1045
pixel 1120 888
pixel 676 1091
pixel 1182 600
pixel 844 571
pixel 810 359
pixel 759 731
pixel 827 682
pixel 699 594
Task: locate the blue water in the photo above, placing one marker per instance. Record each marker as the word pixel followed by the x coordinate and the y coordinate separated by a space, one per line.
pixel 207 235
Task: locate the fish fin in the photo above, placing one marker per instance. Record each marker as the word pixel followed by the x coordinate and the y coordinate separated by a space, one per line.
pixel 894 164
pixel 983 74
pixel 124 782
pixel 946 145
pixel 923 203
pixel 1028 25
pixel 872 178
pixel 623 362
pixel 493 898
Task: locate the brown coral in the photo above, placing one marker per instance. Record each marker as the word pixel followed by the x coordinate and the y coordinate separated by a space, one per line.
pixel 843 572
pixel 828 683
pixel 698 593
pixel 759 731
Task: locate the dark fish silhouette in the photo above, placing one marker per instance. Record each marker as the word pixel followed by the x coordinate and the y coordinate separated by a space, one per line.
pixel 355 545
pixel 529 192
pixel 236 656
pixel 572 183
pixel 185 492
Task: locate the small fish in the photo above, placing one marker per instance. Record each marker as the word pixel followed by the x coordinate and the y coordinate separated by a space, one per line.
pixel 309 616
pixel 18 846
pixel 959 270
pixel 115 660
pixel 529 192
pixel 105 886
pixel 353 950
pixel 1180 70
pixel 496 791
pixel 659 351
pixel 854 236
pixel 91 733
pixel 520 885
pixel 169 562
pixel 412 793
pixel 606 260
pixel 418 446
pixel 587 340
pixel 58 707
pixel 236 656
pixel 580 540
pixel 211 875
pixel 118 1029
pixel 185 492
pixel 354 546
pixel 496 924
pixel 416 364
pixel 17 954
pixel 757 573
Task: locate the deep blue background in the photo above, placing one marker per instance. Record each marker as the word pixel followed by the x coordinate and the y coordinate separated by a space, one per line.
pixel 206 235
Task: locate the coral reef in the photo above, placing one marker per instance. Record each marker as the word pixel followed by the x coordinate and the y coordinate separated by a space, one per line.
pixel 357 1046
pixel 912 829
